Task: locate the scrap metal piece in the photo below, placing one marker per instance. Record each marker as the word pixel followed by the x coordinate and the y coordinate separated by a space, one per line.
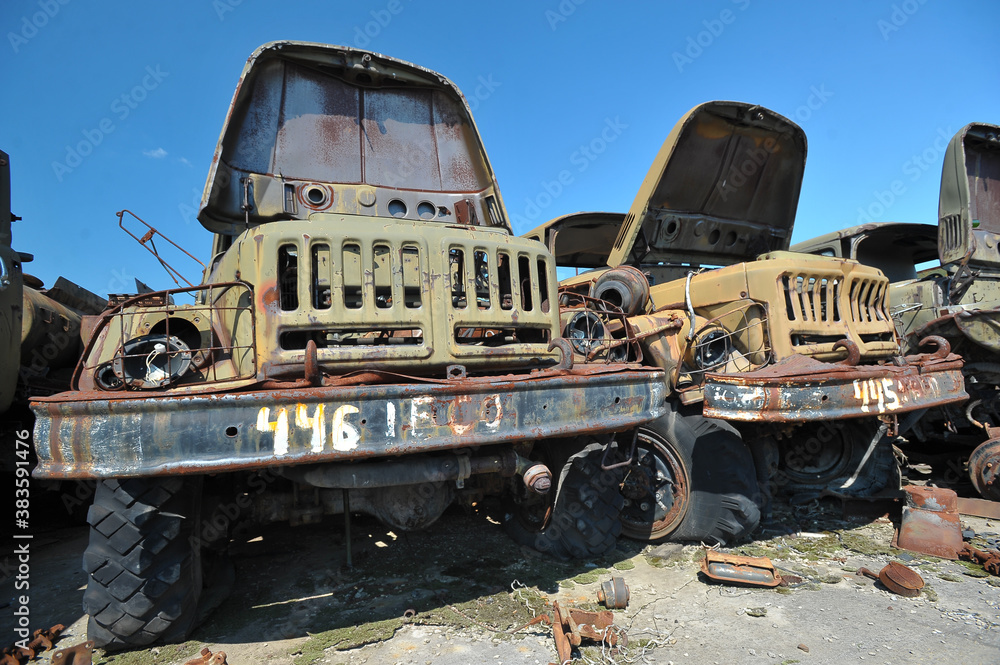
pixel 984 468
pixel 208 658
pixel 897 578
pixel 80 654
pixel 15 655
pixel 571 626
pixel 614 593
pixel 979 508
pixel 597 626
pixel 930 522
pixel 563 646
pixel 43 640
pixel 731 568
pixel 990 560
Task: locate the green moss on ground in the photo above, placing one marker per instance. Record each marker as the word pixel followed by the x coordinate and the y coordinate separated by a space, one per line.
pixel 657 561
pixel 972 569
pixel 815 549
pixel 865 545
pixel 627 564
pixel 346 637
pixel 163 655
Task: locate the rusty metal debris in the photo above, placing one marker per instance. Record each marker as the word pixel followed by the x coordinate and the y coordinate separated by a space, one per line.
pixel 990 560
pixel 897 578
pixel 80 654
pixel 13 656
pixel 208 658
pixel 979 508
pixel 614 594
pixel 41 641
pixel 930 523
pixel 735 569
pixel 984 466
pixel 571 626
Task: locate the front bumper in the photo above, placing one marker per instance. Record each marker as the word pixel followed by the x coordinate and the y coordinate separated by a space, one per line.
pixel 88 435
pixel 801 389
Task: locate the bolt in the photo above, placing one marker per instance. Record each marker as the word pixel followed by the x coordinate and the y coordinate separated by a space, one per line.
pixel 541 484
pixel 644 506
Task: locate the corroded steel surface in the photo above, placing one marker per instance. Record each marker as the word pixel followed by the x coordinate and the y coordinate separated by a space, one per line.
pixel 802 389
pixel 930 523
pixel 990 560
pixel 87 436
pixel 750 570
pixel 897 578
pixel 984 467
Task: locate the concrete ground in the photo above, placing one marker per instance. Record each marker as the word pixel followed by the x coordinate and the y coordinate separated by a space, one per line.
pixel 453 595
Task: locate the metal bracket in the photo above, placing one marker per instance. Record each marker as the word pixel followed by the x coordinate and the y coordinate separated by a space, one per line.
pixel 464 470
pixel 628 460
pixel 81 654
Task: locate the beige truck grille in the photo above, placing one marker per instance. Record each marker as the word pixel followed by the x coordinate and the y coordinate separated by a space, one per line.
pixel 425 300
pixel 822 307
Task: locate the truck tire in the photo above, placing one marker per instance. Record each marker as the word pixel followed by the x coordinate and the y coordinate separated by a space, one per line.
pixel 693 480
pixel 826 455
pixel 143 561
pixel 583 520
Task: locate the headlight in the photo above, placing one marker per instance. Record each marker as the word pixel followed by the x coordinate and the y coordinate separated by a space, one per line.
pixel 712 348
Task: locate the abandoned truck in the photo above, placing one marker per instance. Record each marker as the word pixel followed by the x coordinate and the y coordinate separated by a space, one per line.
pixel 955 294
pixel 369 336
pixel 39 327
pixel 777 364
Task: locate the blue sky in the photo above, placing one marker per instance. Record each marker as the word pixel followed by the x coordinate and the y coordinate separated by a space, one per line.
pixel 143 89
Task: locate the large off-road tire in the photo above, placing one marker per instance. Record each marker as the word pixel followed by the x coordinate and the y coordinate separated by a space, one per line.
pixel 581 520
pixel 826 455
pixel 693 480
pixel 143 561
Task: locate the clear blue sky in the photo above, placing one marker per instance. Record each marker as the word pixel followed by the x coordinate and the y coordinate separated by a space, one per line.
pixel 878 86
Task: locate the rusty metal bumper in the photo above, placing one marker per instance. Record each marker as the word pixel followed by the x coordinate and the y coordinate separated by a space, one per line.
pixel 801 389
pixel 88 435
